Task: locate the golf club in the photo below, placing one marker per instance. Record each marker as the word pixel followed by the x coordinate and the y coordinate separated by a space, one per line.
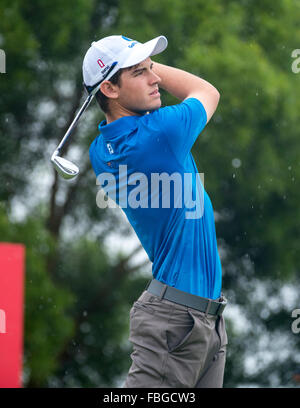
pixel 65 168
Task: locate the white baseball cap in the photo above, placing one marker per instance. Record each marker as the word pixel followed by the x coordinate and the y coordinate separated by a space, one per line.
pixel 106 56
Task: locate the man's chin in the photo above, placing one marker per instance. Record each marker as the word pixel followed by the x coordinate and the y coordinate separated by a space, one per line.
pixel 155 106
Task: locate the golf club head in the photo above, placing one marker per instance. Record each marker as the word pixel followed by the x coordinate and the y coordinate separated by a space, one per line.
pixel 64 167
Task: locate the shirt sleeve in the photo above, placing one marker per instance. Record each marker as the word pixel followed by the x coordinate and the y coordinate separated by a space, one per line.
pixel 182 124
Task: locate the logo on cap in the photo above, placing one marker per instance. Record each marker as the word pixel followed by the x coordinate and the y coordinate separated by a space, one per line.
pixel 126 38
pixel 100 63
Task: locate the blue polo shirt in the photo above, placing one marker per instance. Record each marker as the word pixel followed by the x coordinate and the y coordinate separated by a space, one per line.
pixel 144 163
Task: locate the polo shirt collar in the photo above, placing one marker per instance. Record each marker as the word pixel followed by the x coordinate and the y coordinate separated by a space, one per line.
pixel 118 127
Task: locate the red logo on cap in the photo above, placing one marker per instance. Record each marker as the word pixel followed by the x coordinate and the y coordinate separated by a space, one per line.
pixel 100 63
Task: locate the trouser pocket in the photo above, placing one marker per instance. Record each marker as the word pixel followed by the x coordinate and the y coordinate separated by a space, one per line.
pixel 188 343
pixel 178 334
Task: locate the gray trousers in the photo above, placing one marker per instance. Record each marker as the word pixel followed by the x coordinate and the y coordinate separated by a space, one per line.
pixel 175 346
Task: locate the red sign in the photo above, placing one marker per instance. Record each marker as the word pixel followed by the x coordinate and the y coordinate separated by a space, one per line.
pixel 11 314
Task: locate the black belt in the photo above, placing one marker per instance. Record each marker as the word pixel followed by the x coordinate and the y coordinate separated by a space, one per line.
pixel 205 305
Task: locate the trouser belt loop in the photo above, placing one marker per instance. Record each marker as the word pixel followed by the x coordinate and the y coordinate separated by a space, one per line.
pixel 163 291
pixel 207 307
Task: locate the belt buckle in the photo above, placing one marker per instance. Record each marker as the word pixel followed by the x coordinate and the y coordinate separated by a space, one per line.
pixel 221 307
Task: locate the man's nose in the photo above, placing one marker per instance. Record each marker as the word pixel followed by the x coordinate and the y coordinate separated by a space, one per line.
pixel 155 78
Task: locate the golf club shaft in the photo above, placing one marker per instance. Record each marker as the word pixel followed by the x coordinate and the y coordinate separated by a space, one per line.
pixel 73 124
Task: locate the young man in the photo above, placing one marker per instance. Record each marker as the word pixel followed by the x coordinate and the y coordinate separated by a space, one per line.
pixel 176 326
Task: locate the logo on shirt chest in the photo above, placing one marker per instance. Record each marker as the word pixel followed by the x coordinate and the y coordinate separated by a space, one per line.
pixel 109 148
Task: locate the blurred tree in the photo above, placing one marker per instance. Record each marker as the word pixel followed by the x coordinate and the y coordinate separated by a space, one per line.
pixel 249 153
pixel 99 351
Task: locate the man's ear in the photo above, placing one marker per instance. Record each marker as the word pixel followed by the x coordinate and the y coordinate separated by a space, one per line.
pixel 109 90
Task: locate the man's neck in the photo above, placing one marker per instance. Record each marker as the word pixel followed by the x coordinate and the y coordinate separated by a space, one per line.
pixel 117 111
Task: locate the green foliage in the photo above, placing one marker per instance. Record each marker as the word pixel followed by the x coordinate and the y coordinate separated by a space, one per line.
pixel 99 350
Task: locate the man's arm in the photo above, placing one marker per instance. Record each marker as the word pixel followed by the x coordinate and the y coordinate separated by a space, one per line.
pixel 183 85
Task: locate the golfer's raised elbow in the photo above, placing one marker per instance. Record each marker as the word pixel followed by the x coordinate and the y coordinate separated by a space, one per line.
pixel 217 94
pixel 209 97
pixel 217 97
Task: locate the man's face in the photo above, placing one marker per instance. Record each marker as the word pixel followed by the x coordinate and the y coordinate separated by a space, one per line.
pixel 139 88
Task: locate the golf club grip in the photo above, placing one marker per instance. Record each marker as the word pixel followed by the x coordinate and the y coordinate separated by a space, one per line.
pixel 73 124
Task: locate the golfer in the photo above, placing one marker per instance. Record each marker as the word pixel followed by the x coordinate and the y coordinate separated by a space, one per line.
pixel 176 326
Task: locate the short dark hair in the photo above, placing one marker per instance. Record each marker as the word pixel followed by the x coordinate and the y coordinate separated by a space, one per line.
pixel 103 99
